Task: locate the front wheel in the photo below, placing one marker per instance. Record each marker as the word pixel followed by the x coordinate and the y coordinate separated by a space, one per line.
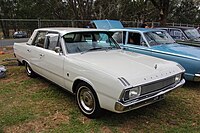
pixel 87 101
pixel 29 70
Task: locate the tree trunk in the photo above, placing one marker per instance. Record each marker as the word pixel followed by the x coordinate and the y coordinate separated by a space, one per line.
pixel 163 19
pixel 163 7
pixel 4 29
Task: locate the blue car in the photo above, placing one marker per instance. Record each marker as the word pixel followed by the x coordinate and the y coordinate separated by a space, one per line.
pixel 157 43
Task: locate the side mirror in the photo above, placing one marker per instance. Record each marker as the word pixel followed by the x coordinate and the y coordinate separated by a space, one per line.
pixel 182 38
pixel 57 50
pixel 143 43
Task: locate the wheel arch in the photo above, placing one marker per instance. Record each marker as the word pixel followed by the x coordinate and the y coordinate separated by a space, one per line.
pixel 79 80
pixel 24 61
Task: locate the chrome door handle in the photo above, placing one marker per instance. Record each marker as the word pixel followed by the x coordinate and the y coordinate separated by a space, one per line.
pixel 28 50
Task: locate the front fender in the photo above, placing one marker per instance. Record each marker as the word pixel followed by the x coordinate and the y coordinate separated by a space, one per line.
pixel 107 91
pixel 83 79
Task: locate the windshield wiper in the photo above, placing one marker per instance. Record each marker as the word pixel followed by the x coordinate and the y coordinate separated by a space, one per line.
pixel 195 39
pixel 92 49
pixel 110 48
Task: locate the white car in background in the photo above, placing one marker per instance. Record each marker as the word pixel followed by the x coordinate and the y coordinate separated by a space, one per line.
pixel 90 64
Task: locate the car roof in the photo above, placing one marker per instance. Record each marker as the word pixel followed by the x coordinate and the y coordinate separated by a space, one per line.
pixel 137 29
pixel 176 27
pixel 65 30
pixel 19 31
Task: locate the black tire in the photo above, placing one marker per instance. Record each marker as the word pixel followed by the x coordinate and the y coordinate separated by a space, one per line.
pixel 87 101
pixel 19 63
pixel 29 70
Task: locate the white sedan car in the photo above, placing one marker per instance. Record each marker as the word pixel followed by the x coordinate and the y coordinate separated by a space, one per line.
pixel 90 64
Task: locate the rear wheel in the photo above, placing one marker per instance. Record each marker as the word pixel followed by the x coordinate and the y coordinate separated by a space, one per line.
pixel 87 101
pixel 29 70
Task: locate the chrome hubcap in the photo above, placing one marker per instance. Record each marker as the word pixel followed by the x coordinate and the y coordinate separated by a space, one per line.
pixel 87 100
pixel 28 69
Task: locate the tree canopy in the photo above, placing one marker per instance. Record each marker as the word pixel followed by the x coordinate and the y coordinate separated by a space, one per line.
pixel 180 11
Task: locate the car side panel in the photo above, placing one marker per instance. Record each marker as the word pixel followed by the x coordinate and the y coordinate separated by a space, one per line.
pixel 137 49
pixel 52 65
pixel 21 51
pixel 35 59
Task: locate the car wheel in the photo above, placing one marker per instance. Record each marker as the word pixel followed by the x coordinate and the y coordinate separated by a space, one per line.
pixel 87 101
pixel 29 70
pixel 19 63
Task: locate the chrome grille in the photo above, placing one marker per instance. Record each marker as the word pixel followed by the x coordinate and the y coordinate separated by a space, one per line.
pixel 157 85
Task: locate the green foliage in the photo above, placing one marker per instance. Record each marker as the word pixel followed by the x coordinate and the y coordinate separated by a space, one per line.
pixel 187 11
pixel 135 10
pixel 184 11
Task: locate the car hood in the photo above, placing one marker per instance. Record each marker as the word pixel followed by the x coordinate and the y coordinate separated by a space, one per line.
pixel 135 68
pixel 179 50
pixel 189 42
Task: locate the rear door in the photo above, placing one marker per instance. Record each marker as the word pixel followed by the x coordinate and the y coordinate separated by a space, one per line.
pixel 35 50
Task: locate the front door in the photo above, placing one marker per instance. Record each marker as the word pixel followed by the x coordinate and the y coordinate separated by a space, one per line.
pixel 52 60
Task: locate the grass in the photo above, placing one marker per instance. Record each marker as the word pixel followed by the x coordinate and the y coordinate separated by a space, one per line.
pixel 37 105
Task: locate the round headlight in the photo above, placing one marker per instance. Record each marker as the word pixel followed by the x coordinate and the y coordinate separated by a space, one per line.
pixel 132 93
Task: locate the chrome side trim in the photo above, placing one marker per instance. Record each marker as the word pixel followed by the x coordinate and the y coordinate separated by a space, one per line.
pixel 197 77
pixel 124 81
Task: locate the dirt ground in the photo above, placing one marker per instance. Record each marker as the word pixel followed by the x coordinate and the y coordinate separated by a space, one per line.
pixel 6 50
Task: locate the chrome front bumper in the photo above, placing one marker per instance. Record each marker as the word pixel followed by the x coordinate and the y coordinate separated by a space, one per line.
pixel 197 77
pixel 137 103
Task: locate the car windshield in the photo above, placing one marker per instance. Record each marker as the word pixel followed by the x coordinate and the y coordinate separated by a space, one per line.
pixel 158 38
pixel 81 42
pixel 192 34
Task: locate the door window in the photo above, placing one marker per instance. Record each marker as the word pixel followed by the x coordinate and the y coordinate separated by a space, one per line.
pixel 39 40
pixel 135 39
